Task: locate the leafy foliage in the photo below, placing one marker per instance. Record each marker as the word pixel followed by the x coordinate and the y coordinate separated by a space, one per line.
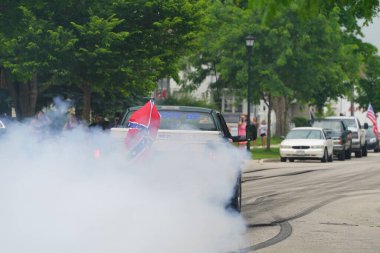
pixel 369 89
pixel 100 47
pixel 186 101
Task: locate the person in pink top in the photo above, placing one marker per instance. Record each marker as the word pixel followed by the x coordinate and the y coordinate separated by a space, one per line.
pixel 242 129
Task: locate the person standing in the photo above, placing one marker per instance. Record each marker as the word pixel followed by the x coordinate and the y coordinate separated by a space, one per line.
pixel 254 122
pixel 242 129
pixel 116 120
pixel 71 123
pixel 263 130
pixel 98 123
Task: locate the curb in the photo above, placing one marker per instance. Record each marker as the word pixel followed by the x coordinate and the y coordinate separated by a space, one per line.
pixel 269 160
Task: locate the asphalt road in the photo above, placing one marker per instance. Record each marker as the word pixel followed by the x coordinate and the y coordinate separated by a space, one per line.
pixel 309 206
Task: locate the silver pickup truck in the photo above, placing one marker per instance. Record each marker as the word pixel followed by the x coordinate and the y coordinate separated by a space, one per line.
pixel 191 130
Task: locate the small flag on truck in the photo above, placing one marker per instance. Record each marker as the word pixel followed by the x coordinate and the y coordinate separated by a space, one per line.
pixel 372 117
pixel 143 127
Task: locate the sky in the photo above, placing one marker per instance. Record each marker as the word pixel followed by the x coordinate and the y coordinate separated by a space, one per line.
pixel 372 33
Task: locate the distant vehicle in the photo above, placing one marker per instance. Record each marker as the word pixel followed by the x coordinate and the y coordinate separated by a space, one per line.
pixel 359 143
pixel 338 131
pixel 306 143
pixel 372 140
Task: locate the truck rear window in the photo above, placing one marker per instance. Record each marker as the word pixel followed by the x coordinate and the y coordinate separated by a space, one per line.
pixel 183 120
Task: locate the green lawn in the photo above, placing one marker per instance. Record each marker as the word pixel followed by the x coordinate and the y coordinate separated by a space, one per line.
pixel 262 153
pixel 274 140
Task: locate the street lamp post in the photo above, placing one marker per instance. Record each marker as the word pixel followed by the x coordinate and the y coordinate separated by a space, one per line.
pixel 249 44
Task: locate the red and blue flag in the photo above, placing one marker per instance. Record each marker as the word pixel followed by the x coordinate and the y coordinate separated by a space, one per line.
pixel 143 127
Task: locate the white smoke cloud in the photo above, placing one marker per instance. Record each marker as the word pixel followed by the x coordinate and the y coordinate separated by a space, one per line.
pixel 57 197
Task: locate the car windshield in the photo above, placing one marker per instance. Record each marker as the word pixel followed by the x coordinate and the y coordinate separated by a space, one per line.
pixel 328 124
pixel 370 133
pixel 184 120
pixel 305 134
pixel 350 123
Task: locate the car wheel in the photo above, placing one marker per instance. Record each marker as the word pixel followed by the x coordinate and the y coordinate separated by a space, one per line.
pixel 365 150
pixel 291 160
pixel 342 155
pixel 324 158
pixel 377 148
pixel 348 153
pixel 283 159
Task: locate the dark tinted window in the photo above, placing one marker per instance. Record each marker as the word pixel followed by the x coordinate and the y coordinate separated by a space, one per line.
pixel 329 124
pixel 182 120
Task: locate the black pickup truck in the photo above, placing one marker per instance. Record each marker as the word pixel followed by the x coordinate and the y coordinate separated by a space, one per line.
pixel 185 126
pixel 337 130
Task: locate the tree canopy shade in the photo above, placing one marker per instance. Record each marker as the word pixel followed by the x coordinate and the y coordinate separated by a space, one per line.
pixel 369 85
pixel 310 60
pixel 98 46
pixel 350 10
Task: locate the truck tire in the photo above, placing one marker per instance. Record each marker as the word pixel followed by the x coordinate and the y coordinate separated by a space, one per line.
pixel 330 158
pixel 283 159
pixel 342 155
pixel 358 154
pixel 365 150
pixel 236 198
pixel 348 153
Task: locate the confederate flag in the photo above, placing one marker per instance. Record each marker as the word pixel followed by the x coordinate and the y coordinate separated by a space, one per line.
pixel 143 126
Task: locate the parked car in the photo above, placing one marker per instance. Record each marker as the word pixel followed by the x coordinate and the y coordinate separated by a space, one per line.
pixel 359 143
pixel 306 143
pixel 372 140
pixel 338 131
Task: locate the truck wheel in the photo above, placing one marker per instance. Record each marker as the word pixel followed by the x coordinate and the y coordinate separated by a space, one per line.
pixel 236 199
pixel 365 150
pixel 348 153
pixel 291 160
pixel 283 159
pixel 324 158
pixel 342 156
pixel 330 158
pixel 358 154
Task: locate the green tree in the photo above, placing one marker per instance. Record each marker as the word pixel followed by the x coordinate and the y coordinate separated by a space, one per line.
pixel 351 10
pixel 307 60
pixel 25 53
pixel 102 47
pixel 369 85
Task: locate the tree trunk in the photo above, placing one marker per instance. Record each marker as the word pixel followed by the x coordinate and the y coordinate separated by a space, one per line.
pixel 269 104
pixel 280 107
pixel 24 96
pixel 86 113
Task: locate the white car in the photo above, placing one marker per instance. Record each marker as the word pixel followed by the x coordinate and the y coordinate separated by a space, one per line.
pixel 306 143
